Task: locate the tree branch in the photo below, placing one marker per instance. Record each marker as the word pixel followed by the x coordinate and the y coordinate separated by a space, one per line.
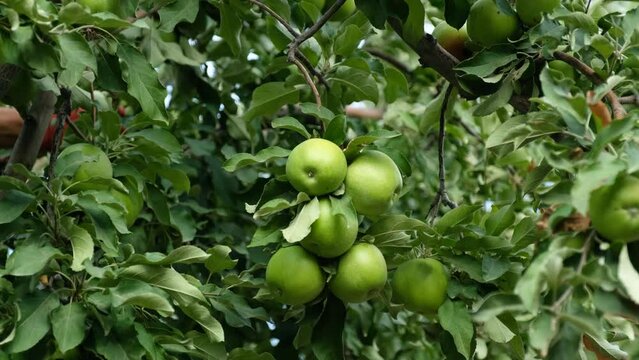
pixel 63 116
pixel 308 33
pixel 389 59
pixel 433 55
pixel 617 109
pixel 442 194
pixel 307 77
pixel 630 99
pixel 25 150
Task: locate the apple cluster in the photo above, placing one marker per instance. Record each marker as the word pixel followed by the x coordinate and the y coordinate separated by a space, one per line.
pixel 369 184
pixel 490 23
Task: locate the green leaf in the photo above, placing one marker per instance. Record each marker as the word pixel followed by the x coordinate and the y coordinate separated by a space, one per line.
pixel 202 316
pixel 413 29
pixel 612 133
pixel 219 259
pixel 396 84
pixel 277 205
pixel 497 331
pixel 495 101
pixel 247 354
pixel 318 112
pixel 81 242
pixel 177 12
pixel 13 203
pixel 140 294
pixel 68 323
pixel 456 12
pixel 361 84
pixel 300 227
pixel 231 27
pixel 30 259
pixel 347 40
pixel 454 217
pixel 455 319
pixel 159 137
pixel 34 323
pixel 163 278
pixel 597 174
pixel 496 304
pixel 290 123
pixel 487 62
pixel 187 254
pixel 500 220
pixel 530 284
pixel 267 99
pixel 336 130
pixel 103 225
pixel 241 160
pixel 76 56
pixel 327 340
pixel 628 275
pixel 157 201
pixel 143 83
pixel 357 144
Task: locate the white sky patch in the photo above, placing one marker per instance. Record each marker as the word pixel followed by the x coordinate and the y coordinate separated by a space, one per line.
pixel 192 42
pixel 488 205
pixel 252 56
pixel 211 70
pixel 428 27
pixel 235 98
pixel 216 38
pixel 361 44
pixel 169 96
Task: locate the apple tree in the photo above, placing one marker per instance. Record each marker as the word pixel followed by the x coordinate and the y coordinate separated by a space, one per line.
pixel 310 179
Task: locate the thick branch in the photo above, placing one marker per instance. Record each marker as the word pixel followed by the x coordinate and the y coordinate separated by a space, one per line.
pixel 617 109
pixel 27 146
pixel 433 55
pixel 442 194
pixel 631 99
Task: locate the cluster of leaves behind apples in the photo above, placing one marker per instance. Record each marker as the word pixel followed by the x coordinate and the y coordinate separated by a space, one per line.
pixel 344 185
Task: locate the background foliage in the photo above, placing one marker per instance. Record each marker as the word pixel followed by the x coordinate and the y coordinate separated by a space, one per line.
pixel 211 107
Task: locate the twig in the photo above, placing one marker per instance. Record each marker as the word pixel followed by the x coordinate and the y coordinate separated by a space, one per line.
pixel 63 116
pixel 389 59
pixel 26 148
pixel 442 194
pixel 298 54
pixel 77 130
pixel 309 80
pixel 617 109
pixel 277 17
pixel 94 108
pixel 585 250
pixel 308 33
pixel 587 7
pixel 630 99
pixel 471 132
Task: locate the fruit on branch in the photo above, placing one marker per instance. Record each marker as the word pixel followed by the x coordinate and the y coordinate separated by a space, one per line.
pixel 531 11
pixel 614 210
pixel 333 233
pixel 346 10
pixel 420 284
pixel 373 182
pixel 96 6
pixel 294 276
pixel 453 40
pixel 316 167
pixel 490 23
pixel 361 274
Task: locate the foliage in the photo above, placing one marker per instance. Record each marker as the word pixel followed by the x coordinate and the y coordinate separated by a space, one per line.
pixel 211 107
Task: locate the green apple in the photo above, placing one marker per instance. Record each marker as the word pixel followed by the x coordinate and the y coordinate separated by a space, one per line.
pixel 451 39
pixel 373 182
pixel 420 284
pixel 96 164
pixel 614 210
pixel 489 24
pixel 294 276
pixel 332 234
pixel 361 274
pixel 531 11
pixel 316 167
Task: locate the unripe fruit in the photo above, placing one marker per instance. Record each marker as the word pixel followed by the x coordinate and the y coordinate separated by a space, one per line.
pixel 420 284
pixel 451 39
pixel 531 11
pixel 331 234
pixel 294 276
pixel 361 274
pixel 488 24
pixel 316 167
